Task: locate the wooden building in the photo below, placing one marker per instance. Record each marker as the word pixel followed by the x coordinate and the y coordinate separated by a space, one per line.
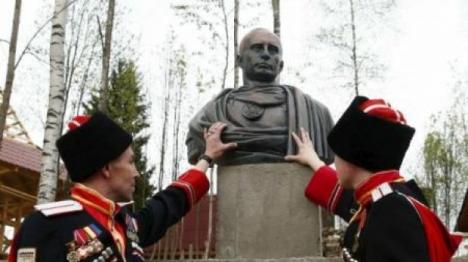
pixel 20 164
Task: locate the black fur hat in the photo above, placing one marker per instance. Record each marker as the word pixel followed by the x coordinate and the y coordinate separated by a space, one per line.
pixel 369 141
pixel 91 143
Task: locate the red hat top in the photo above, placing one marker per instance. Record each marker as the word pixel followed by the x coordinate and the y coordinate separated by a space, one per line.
pixel 77 121
pixel 381 109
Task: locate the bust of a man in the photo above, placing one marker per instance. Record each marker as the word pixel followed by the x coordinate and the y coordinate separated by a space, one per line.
pixel 262 114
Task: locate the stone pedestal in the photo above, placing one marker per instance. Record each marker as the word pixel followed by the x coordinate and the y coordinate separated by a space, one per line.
pixel 263 213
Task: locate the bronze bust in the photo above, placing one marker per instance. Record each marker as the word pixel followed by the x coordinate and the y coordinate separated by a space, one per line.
pixel 262 113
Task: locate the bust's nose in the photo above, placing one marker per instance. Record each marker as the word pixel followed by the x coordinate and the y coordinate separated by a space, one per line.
pixel 265 56
pixel 265 53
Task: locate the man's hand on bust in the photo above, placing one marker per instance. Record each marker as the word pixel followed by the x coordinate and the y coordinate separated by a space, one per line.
pixel 215 148
pixel 306 154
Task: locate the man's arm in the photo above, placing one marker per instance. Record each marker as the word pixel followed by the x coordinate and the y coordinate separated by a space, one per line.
pixel 323 188
pixel 325 191
pixel 169 206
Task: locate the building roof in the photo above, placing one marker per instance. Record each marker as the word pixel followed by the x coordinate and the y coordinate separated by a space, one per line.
pixel 20 154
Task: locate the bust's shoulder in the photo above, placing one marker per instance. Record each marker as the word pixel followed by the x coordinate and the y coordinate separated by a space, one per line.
pixel 223 93
pixel 298 92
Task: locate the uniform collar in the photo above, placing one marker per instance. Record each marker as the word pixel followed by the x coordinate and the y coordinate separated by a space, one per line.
pixel 91 198
pixel 363 193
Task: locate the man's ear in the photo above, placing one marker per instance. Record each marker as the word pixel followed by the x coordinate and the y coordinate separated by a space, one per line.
pixel 105 171
pixel 281 65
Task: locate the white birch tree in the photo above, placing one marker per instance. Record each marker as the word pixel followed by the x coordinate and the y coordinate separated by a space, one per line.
pixel 50 156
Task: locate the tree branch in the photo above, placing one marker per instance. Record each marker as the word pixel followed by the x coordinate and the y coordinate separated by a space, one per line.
pixel 37 33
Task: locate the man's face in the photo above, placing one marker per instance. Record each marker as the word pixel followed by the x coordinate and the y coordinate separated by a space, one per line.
pixel 261 60
pixel 122 176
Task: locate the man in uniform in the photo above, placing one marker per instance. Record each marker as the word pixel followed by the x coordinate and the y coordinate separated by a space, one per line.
pixel 388 220
pixel 96 224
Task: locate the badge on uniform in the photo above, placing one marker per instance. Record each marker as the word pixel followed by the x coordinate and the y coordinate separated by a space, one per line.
pixel 85 243
pixel 26 255
pixel 132 228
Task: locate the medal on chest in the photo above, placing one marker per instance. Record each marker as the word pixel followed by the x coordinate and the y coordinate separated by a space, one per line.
pixel 132 234
pixel 132 228
pixel 72 255
pixel 85 243
pixel 252 111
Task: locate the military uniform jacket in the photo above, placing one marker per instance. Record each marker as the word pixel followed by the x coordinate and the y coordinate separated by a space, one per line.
pixel 89 227
pixel 388 219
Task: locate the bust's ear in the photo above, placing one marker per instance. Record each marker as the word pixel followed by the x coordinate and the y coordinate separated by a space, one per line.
pixel 238 60
pixel 281 65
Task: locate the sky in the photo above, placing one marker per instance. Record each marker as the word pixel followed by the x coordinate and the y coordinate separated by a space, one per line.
pixel 428 38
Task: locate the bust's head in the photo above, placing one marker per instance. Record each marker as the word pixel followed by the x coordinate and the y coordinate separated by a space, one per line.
pixel 260 56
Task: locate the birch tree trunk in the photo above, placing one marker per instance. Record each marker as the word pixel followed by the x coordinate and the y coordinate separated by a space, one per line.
pixel 10 68
pixel 50 156
pixel 106 52
pixel 236 43
pixel 354 47
pixel 276 17
pixel 226 35
pixel 275 4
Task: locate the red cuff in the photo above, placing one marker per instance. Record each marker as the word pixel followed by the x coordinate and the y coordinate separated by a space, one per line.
pixel 323 188
pixel 195 185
